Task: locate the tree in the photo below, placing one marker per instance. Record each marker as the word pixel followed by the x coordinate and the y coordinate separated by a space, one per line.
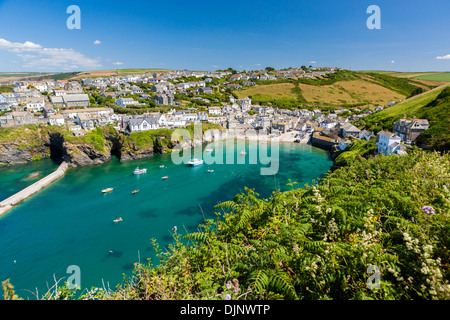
pixel 270 69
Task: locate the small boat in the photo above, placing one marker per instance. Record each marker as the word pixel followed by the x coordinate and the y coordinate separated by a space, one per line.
pixel 195 162
pixel 161 166
pixel 243 152
pixel 209 150
pixel 139 171
pixel 135 191
pixel 107 190
pixel 210 170
pixel 118 219
pixel 164 178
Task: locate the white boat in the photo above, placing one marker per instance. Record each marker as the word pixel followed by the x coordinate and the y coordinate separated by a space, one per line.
pixel 161 166
pixel 195 162
pixel 139 171
pixel 243 152
pixel 209 150
pixel 210 170
pixel 107 190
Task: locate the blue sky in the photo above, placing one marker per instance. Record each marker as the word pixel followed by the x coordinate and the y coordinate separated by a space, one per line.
pixel 214 34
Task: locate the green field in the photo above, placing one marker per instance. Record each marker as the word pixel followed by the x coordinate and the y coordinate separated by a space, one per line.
pixel 21 74
pixel 444 76
pixel 429 76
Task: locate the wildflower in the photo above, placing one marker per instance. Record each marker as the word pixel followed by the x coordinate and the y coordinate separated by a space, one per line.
pixel 229 285
pixel 428 209
pixel 227 297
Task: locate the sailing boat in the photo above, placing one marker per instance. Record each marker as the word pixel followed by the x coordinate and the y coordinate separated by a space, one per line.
pixel 139 171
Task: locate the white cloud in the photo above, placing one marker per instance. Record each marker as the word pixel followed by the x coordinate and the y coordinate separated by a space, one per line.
pixel 117 63
pixel 393 61
pixel 97 42
pixel 447 57
pixel 35 56
pixel 312 62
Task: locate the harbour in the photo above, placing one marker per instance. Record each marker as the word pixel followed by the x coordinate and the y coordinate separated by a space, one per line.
pixel 71 222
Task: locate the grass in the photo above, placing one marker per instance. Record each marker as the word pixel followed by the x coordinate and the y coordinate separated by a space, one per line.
pixel 27 132
pixel 269 91
pixel 434 77
pixel 409 106
pixel 94 138
pixel 340 93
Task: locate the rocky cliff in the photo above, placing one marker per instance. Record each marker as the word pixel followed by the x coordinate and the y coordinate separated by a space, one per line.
pixel 23 145
pixel 95 147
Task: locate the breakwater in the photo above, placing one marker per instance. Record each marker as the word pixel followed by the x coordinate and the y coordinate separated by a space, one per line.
pixel 13 200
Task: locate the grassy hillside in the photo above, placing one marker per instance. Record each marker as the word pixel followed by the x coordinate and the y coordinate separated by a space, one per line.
pixel 343 89
pixel 433 105
pixel 315 242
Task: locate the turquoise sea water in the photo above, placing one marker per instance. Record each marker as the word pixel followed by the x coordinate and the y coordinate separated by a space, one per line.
pixel 71 221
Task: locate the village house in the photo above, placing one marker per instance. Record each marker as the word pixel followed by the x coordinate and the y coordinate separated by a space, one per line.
pixel 17 118
pixel 343 143
pixel 70 100
pixel 85 121
pixel 349 130
pixel 409 129
pixel 163 87
pixel 202 116
pixel 235 86
pixel 125 102
pixel 35 104
pixel 365 134
pixel 142 124
pixel 56 120
pixel 328 123
pixel 217 119
pixel 235 77
pixel 164 99
pixel 389 143
pixel 207 90
pixel 215 111
pixel 282 127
